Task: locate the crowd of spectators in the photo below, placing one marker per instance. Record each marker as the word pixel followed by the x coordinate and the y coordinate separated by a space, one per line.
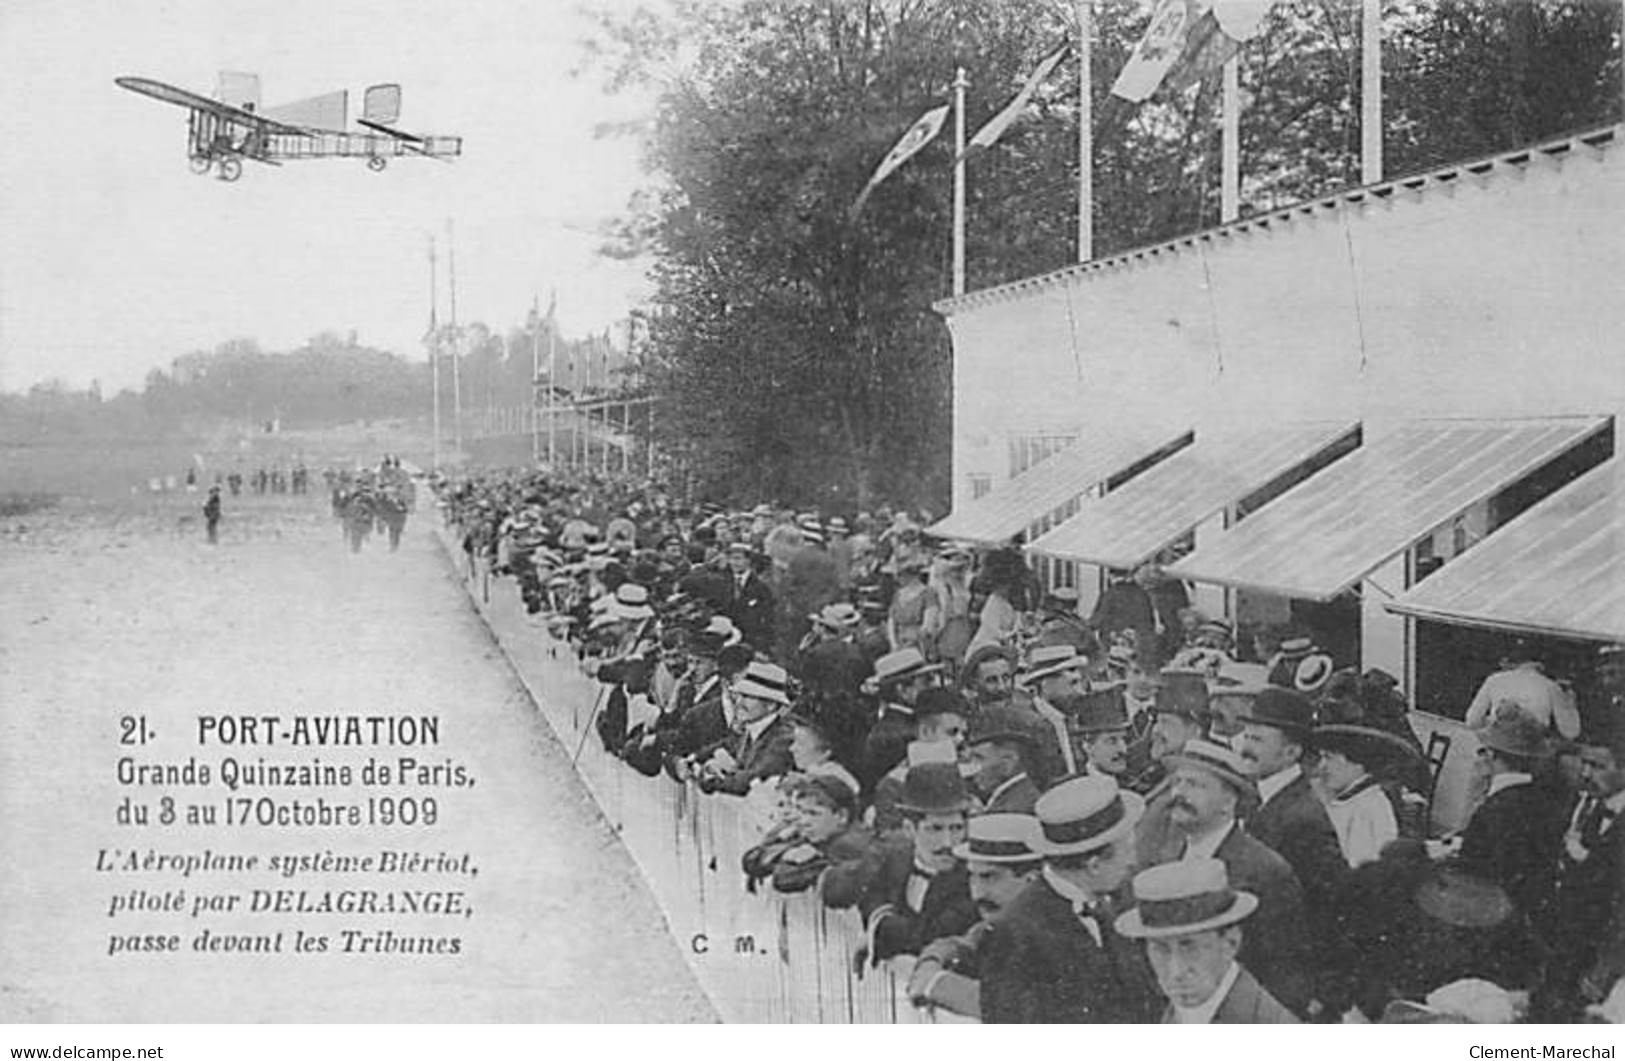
pixel 1047 816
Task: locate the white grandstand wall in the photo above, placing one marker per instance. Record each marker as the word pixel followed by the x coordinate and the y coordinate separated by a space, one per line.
pixel 1490 289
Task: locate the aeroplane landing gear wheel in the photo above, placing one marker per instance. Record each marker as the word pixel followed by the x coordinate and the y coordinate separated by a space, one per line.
pixel 199 164
pixel 377 164
pixel 230 169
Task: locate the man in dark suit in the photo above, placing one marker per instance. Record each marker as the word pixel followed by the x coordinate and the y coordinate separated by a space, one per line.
pixel 1001 745
pixel 1207 786
pixel 1587 924
pixel 1290 818
pixel 899 679
pixel 748 600
pixel 911 889
pixel 758 747
pixel 1052 955
pixel 1515 836
pixel 1190 920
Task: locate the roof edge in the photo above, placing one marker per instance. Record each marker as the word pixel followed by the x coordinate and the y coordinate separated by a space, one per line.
pixel 1591 140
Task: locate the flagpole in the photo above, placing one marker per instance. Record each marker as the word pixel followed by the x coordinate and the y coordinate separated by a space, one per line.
pixel 1230 143
pixel 1371 92
pixel 552 380
pixel 456 345
pixel 434 351
pixel 535 378
pixel 1086 131
pixel 960 82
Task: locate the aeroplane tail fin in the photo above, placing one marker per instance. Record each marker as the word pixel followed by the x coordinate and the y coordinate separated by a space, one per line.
pixel 382 104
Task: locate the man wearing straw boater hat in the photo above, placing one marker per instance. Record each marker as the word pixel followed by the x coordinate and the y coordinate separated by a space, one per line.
pixel 898 680
pixel 1001 854
pixel 1190 920
pixel 1053 673
pixel 1208 786
pixel 1052 955
pixel 911 890
pixel 759 746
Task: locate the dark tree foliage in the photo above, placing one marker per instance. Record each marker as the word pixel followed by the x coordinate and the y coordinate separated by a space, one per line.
pixel 796 350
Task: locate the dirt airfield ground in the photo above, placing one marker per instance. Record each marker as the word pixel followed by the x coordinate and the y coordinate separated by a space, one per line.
pixel 120 610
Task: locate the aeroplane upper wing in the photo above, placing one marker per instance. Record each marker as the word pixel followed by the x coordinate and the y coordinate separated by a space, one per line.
pixel 192 101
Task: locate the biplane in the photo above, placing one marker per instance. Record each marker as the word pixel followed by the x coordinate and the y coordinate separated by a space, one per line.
pixel 222 132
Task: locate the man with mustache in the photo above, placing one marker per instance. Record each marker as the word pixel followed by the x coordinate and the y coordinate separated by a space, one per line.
pixel 911 889
pixel 1001 854
pixel 1290 818
pixel 1207 787
pixel 1051 955
pixel 1001 748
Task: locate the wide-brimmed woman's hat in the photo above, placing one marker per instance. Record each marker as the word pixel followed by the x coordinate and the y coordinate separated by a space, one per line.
pixel 1372 748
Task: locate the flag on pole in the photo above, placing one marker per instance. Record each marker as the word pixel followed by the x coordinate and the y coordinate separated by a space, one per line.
pixel 1186 41
pixel 989 134
pixel 922 132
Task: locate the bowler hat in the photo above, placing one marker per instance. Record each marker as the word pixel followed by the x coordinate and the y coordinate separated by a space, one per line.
pixel 1001 838
pixel 1085 813
pixel 934 788
pixel 1003 725
pixel 1183 897
pixel 1284 709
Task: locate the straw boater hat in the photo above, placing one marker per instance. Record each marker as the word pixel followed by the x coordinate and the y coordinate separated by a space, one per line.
pixel 1182 897
pixel 632 602
pixel 839 617
pixel 901 665
pixel 1050 660
pixel 1224 763
pixel 1084 814
pixel 723 627
pixel 765 681
pixel 1001 839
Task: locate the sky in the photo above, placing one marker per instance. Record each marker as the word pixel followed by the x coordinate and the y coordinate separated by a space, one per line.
pixel 115 259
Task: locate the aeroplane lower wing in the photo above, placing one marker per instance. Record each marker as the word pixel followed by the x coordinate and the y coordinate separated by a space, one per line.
pixel 386 130
pixel 192 101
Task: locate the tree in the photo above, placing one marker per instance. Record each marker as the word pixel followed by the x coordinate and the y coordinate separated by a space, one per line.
pixel 795 350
